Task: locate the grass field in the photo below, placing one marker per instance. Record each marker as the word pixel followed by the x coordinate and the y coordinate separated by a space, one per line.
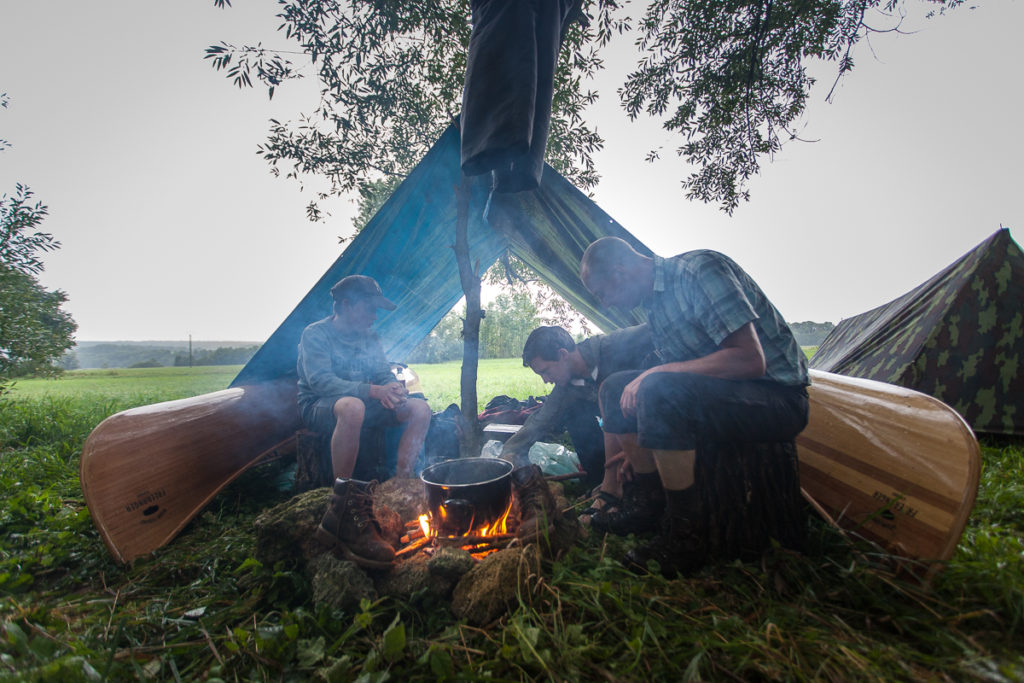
pixel 203 608
pixel 141 386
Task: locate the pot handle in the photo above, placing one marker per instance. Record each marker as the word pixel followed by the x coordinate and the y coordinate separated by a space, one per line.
pixel 457 516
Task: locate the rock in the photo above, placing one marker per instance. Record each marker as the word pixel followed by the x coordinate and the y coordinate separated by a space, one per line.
pixel 450 563
pixel 411 575
pixel 391 525
pixel 490 588
pixel 566 533
pixel 404 496
pixel 285 531
pixel 339 583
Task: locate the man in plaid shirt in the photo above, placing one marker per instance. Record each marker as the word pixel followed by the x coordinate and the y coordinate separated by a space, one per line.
pixel 730 369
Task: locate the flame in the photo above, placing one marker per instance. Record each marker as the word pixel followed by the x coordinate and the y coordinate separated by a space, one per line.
pixel 425 525
pixel 499 526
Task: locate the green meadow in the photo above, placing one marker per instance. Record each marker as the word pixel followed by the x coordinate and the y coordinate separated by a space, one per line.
pixel 202 608
pixel 140 386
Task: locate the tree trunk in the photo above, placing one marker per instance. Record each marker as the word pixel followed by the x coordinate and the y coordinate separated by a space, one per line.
pixel 470 440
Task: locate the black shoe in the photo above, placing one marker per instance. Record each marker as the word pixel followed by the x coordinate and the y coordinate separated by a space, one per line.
pixel 678 549
pixel 642 507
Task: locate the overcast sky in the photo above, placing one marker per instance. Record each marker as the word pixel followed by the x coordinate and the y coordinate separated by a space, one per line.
pixel 172 226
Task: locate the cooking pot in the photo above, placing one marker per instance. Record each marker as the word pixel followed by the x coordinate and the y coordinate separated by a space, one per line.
pixel 467 493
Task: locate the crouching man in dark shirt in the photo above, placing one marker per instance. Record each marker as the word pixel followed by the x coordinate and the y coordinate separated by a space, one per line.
pixel 577 371
pixel 345 386
pixel 730 369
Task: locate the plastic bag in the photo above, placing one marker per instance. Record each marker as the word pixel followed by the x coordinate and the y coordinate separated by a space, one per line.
pixel 552 458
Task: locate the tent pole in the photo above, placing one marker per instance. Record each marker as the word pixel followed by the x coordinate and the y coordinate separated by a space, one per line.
pixel 470 277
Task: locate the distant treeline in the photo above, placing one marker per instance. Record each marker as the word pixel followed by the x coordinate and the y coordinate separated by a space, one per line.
pixel 811 334
pixel 115 355
pixel 502 335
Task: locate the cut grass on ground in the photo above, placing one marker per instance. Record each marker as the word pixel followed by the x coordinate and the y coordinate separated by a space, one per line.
pixel 202 608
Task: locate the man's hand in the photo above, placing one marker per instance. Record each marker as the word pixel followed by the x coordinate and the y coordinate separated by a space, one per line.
pixel 627 402
pixel 391 395
pixel 740 356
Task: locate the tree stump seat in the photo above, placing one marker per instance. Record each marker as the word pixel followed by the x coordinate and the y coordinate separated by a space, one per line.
pixel 313 468
pixel 751 495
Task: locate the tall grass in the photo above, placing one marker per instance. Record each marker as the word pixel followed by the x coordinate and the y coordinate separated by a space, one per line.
pixel 203 608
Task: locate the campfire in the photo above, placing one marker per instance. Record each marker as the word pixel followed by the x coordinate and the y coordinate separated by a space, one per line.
pixel 479 541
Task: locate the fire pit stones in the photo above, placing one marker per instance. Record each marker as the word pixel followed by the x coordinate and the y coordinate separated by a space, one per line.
pixel 480 590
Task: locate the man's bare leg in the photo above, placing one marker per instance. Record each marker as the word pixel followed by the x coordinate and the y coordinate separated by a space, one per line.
pixel 415 415
pixel 675 468
pixel 640 459
pixel 614 456
pixel 349 412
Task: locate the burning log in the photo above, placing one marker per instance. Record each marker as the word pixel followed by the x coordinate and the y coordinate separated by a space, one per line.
pixel 412 547
pixel 473 540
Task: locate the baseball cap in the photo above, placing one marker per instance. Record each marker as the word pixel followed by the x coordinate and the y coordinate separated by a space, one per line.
pixel 360 287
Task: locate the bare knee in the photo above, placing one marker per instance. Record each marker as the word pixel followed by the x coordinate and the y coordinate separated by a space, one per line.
pixel 349 411
pixel 415 411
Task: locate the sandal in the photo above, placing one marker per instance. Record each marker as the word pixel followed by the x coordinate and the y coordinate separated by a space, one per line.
pixel 608 501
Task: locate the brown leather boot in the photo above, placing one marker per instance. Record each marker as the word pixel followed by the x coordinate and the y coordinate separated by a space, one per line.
pixel 349 528
pixel 679 547
pixel 537 508
pixel 641 509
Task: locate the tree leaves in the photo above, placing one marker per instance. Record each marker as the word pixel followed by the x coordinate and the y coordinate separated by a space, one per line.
pixel 34 330
pixel 391 77
pixel 728 76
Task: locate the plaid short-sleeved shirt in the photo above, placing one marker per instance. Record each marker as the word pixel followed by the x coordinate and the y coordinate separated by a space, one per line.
pixel 701 297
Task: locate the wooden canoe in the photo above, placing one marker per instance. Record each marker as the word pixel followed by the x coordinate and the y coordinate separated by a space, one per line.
pixel 896 466
pixel 146 472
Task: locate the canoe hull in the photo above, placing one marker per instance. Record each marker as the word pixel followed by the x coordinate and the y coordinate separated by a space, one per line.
pixel 146 472
pixel 894 465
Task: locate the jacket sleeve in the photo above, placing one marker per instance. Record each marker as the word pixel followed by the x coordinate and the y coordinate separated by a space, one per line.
pixel 546 420
pixel 316 368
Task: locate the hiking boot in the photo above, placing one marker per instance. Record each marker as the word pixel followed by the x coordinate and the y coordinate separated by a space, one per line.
pixel 642 507
pixel 679 547
pixel 537 508
pixel 349 528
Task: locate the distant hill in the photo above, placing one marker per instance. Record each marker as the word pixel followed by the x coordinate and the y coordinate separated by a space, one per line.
pixel 176 344
pixel 127 354
pixel 811 334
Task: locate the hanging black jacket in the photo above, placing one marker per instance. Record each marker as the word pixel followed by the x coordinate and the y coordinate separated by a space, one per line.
pixel 506 103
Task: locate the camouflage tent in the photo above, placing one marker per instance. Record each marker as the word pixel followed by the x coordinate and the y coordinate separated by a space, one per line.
pixel 959 337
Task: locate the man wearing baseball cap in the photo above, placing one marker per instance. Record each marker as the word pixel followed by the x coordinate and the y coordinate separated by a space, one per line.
pixel 346 387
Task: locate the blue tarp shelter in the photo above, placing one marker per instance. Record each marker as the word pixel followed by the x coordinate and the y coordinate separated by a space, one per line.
pixel 407 248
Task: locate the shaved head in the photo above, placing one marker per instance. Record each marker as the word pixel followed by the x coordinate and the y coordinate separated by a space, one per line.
pixel 604 254
pixel 615 273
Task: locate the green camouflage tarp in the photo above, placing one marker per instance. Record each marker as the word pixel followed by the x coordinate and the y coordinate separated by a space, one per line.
pixel 959 337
